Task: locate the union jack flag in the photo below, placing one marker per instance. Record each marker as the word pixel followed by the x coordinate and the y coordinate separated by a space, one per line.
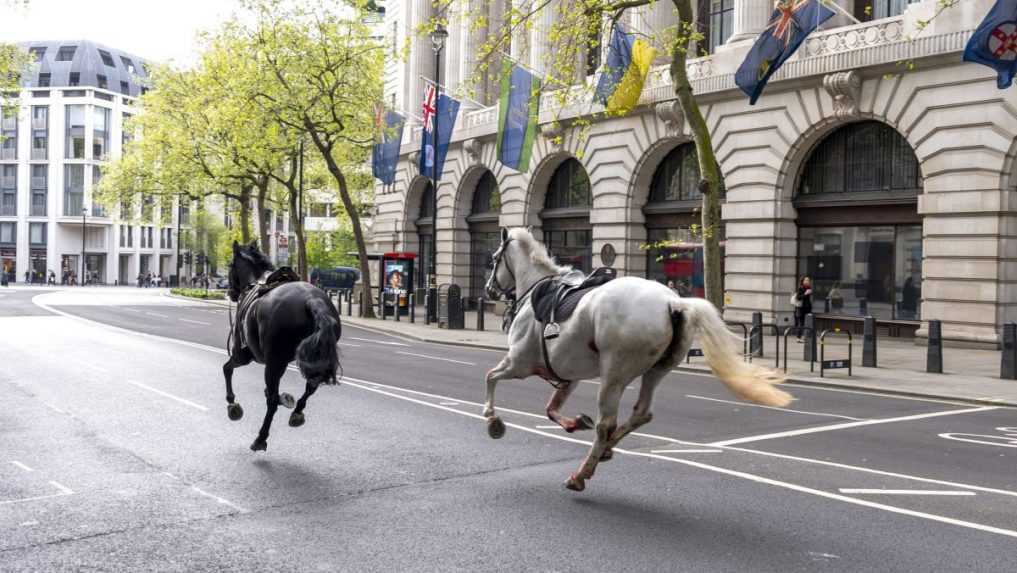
pixel 783 24
pixel 429 108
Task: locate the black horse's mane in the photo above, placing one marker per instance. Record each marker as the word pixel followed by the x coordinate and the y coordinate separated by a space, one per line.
pixel 260 262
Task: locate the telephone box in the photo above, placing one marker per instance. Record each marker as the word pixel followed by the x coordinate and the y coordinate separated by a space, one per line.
pixel 397 282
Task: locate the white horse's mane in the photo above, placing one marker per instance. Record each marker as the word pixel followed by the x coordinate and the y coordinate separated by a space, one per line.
pixel 537 250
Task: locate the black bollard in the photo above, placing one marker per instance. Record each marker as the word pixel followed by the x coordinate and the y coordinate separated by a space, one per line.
pixel 381 305
pixel 413 308
pixel 809 350
pixel 756 341
pixel 869 343
pixel 1008 362
pixel 826 305
pixel 397 306
pixel 432 305
pixel 934 359
pixel 863 306
pixel 349 303
pixel 480 313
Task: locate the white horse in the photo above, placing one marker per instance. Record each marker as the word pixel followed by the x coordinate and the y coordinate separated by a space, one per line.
pixel 626 328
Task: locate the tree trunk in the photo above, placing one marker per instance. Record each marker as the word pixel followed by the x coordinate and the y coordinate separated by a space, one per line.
pixel 351 210
pixel 297 222
pixel 245 214
pixel 710 184
pixel 263 238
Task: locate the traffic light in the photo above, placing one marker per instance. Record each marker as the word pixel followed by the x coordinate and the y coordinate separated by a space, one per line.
pixel 201 259
pixel 187 258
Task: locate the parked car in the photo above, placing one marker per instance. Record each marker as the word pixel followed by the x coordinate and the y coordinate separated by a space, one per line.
pixel 220 282
pixel 333 279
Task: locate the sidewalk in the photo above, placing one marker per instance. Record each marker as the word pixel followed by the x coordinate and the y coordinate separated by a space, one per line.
pixel 969 375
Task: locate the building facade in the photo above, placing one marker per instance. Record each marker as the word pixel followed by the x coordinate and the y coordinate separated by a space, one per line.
pixel 876 162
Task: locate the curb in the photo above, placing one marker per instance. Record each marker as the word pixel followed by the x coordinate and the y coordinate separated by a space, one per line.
pixel 792 379
pixel 213 302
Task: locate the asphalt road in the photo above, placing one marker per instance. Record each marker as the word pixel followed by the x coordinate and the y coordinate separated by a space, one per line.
pixel 116 454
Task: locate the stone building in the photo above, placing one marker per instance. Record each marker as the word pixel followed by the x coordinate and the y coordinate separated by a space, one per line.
pixel 876 162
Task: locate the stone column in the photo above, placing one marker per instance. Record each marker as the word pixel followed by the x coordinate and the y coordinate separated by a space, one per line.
pixel 452 55
pixel 421 58
pixel 540 45
pixel 473 40
pixel 520 37
pixel 750 18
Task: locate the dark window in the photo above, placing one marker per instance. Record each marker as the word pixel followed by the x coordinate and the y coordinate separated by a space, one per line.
pixel 593 47
pixel 101 80
pixel 569 187
pixel 8 233
pixel 125 88
pixel 37 234
pixel 74 80
pixel 427 203
pixel 9 190
pixel 721 22
pixel 40 190
pixel 677 176
pixel 876 9
pixel 37 53
pixel 862 157
pixel 570 247
pixel 66 53
pixel 128 64
pixel 9 134
pixel 106 58
pixel 44 80
pixel 486 198
pixel 424 234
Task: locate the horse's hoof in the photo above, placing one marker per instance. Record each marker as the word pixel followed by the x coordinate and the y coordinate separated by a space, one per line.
pixel 234 411
pixel 286 400
pixel 607 455
pixel 575 484
pixel 296 419
pixel 495 427
pixel 259 445
pixel 584 422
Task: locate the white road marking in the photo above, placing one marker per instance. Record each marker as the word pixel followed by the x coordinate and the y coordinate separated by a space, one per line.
pixel 36 498
pixel 225 502
pixel 830 428
pixel 435 358
pixel 156 314
pixel 351 345
pixel 726 471
pixel 63 489
pixel 195 321
pixel 688 451
pixel 378 341
pixel 905 491
pixel 168 395
pixel 548 427
pixel 129 309
pixel 1008 439
pixel 18 464
pixel 449 403
pixel 54 408
pixel 28 523
pixel 737 403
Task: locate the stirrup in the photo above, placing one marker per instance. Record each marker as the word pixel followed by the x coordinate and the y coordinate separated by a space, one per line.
pixel 551 331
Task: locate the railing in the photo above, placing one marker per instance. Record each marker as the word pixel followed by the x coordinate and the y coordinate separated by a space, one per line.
pixel 9 209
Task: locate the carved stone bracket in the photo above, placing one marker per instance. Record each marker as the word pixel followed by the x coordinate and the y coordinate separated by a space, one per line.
pixel 845 88
pixel 552 132
pixel 414 158
pixel 670 112
pixel 473 149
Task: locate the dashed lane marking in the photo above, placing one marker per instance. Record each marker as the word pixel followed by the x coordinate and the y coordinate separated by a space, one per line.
pixel 904 491
pixel 806 412
pixel 156 314
pixel 20 465
pixel 195 321
pixel 378 341
pixel 55 409
pixel 225 502
pixel 168 395
pixel 436 358
pixel 63 489
pixel 687 451
pixel 833 427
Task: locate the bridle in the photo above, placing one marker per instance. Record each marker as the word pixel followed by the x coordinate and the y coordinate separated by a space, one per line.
pixel 509 291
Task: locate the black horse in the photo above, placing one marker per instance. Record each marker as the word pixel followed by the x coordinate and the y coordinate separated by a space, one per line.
pixel 279 319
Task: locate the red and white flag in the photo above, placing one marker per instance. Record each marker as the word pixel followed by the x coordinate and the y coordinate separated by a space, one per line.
pixel 429 108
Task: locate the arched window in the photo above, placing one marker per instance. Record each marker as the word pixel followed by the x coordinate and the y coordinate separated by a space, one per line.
pixel 859 231
pixel 484 232
pixel 569 187
pixel 566 216
pixel 425 234
pixel 677 176
pixel 865 157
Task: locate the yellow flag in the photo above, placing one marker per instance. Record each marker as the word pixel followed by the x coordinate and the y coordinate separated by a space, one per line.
pixel 626 96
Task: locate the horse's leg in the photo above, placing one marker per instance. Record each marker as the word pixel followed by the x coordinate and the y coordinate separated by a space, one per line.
pixel 641 414
pixel 581 422
pixel 273 372
pixel 610 396
pixel 495 427
pixel 243 358
pixel 297 417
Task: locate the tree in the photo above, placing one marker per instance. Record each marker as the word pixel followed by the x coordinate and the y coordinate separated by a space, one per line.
pixel 577 32
pixel 319 69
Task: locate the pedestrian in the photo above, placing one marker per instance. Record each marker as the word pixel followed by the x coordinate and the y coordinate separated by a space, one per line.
pixel 28 277
pixel 52 278
pixel 670 285
pixel 802 302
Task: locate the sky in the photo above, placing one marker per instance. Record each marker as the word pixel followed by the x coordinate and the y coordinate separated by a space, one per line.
pixel 156 30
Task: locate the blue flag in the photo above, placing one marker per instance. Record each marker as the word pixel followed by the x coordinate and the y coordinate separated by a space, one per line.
pixel 790 23
pixel 994 43
pixel 517 116
pixel 385 154
pixel 445 113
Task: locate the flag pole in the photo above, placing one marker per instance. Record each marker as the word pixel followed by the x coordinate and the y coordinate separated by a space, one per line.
pixel 840 9
pixel 448 91
pixel 539 74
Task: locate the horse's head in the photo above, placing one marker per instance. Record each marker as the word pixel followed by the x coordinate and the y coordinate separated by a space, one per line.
pixel 502 281
pixel 247 266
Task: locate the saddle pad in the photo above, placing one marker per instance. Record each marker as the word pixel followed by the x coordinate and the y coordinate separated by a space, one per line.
pixel 566 306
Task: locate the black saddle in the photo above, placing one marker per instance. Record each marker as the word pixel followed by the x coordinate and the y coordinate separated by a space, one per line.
pixel 555 300
pixel 253 293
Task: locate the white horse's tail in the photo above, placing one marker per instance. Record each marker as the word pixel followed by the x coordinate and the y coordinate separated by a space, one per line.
pixel 746 381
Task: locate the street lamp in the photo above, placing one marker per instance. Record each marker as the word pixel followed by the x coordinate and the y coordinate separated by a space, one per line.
pixel 84 213
pixel 438 37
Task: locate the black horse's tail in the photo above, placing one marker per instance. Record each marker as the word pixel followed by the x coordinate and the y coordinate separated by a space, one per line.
pixel 317 356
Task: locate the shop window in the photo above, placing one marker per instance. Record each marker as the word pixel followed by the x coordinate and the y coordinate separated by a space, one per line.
pixel 865 157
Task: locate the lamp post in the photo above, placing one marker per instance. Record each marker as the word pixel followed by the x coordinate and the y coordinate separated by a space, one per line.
pixel 438 37
pixel 180 204
pixel 84 214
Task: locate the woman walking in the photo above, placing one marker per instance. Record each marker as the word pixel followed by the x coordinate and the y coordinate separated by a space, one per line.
pixel 803 304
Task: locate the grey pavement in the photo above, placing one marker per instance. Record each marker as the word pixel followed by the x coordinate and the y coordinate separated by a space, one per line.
pixel 971 375
pixel 126 461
